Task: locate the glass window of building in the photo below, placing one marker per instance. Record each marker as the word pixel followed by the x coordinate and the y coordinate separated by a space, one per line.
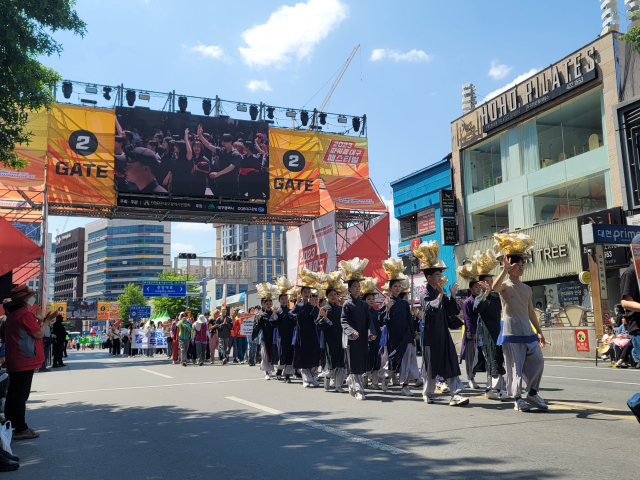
pixel 408 227
pixel 483 165
pixel 269 269
pixel 268 234
pixel 278 253
pixel 268 252
pixel 485 224
pixel 231 289
pixel 243 288
pixel 573 199
pixel 278 269
pixel 268 243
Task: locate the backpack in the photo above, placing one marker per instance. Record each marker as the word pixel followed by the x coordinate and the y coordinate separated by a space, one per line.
pixel 634 405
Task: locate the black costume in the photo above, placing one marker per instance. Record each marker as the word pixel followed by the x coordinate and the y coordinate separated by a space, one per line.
pixel 307 344
pixel 356 318
pixel 332 329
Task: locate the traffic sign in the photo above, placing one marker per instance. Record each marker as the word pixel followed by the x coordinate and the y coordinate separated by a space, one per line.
pixel 139 311
pixel 164 289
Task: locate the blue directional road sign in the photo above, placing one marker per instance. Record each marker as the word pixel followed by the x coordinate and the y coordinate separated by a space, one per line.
pixel 139 312
pixel 165 288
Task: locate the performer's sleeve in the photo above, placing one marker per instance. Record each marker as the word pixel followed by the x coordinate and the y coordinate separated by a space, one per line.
pixel 344 319
pixel 430 305
pixel 480 305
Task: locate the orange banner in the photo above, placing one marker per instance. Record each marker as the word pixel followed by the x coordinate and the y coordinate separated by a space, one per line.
pixel 350 193
pixel 293 173
pixel 103 310
pixel 32 177
pixel 343 156
pixel 80 156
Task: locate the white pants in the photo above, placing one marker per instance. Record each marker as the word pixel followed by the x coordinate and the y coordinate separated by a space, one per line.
pixel 355 382
pixel 523 362
pixel 374 376
pixel 454 383
pixel 265 364
pixel 409 365
pixel 495 382
pixel 308 376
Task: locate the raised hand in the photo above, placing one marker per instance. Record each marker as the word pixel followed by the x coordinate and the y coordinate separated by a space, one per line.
pixel 453 289
pixel 506 264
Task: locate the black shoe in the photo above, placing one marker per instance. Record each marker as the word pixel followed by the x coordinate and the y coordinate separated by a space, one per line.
pixel 7 455
pixel 224 362
pixel 235 360
pixel 287 379
pixel 7 465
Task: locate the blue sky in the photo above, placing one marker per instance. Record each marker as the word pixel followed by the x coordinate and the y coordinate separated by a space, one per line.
pixel 415 55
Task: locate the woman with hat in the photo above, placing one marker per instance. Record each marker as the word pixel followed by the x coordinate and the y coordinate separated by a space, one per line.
pixel 521 346
pixel 262 323
pixel 328 323
pixel 285 324
pixel 306 355
pixel 356 323
pixel 368 292
pixel 24 354
pixel 469 349
pixel 439 315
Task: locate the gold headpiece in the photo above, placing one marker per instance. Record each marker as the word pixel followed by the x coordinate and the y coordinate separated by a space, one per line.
pixel 513 244
pixel 267 290
pixel 330 280
pixel 469 271
pixel 308 278
pixel 485 262
pixel 427 253
pixel 368 285
pixel 393 267
pixel 284 284
pixel 443 281
pixel 343 291
pixel 353 269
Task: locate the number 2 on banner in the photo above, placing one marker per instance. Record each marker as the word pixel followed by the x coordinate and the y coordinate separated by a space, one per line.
pixel 293 160
pixel 82 143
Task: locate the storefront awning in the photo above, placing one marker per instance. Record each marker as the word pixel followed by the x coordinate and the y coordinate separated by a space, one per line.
pixel 231 300
pixel 353 193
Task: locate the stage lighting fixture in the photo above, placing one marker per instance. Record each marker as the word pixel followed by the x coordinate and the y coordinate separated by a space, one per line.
pixel 85 100
pixel 323 118
pixel 253 111
pixel 182 104
pixel 270 111
pixel 304 117
pixel 144 96
pixel 131 97
pixel 91 89
pixel 67 88
pixel 241 107
pixel 342 119
pixel 355 121
pixel 107 91
pixel 291 114
pixel 206 106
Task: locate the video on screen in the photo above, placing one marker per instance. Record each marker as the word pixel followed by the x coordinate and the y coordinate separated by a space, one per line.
pixel 190 155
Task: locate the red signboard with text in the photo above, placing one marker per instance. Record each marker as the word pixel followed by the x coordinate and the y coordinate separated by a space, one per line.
pixel 582 341
pixel 427 221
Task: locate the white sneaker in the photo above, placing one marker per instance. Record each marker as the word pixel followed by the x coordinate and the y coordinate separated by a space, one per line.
pixel 385 384
pixel 458 401
pixel 305 385
pixel 521 405
pixel 359 396
pixel 339 389
pixel 537 401
pixel 492 395
pixel 267 377
pixel 352 392
pixel 504 396
pixel 473 385
pixel 427 398
pixel 442 387
pixel 406 391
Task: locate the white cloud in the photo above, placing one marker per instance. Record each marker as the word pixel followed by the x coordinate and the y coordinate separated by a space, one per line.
pixel 192 227
pixel 209 51
pixel 183 247
pixel 498 72
pixel 517 80
pixel 291 31
pixel 255 85
pixel 411 56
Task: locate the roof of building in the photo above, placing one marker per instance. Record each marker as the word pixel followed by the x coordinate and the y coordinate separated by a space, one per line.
pixel 423 170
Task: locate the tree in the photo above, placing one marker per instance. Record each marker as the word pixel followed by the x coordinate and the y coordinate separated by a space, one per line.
pixel 174 305
pixel 633 34
pixel 26 84
pixel 132 296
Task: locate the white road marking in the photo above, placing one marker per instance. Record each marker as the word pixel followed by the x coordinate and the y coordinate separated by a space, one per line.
pixel 156 373
pixel 590 380
pixel 142 387
pixel 112 360
pixel 324 428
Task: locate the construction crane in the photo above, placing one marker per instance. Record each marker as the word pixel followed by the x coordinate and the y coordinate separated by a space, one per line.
pixel 335 84
pixel 64 227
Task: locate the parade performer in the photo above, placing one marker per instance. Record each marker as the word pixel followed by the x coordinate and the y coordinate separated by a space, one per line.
pixel 262 322
pixel 439 315
pixel 397 317
pixel 469 348
pixel 306 355
pixel 521 346
pixel 356 323
pixel 328 323
pixel 285 325
pixel 368 292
